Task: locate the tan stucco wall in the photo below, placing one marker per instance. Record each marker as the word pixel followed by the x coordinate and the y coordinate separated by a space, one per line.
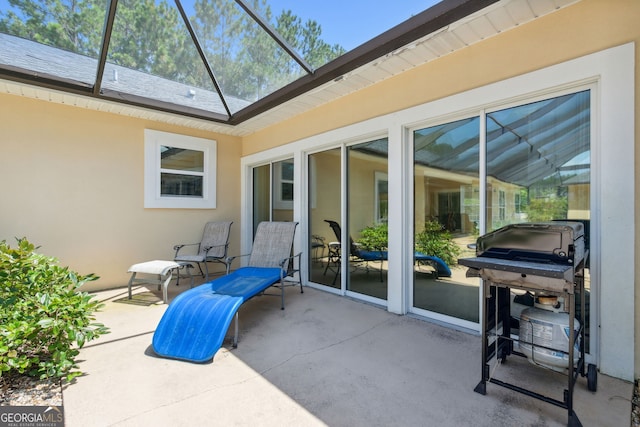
pixel 583 28
pixel 73 184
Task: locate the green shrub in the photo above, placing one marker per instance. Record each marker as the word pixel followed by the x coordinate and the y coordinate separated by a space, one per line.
pixel 434 240
pixel 374 237
pixel 45 319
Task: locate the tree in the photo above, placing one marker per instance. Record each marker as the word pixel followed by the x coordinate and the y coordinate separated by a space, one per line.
pixel 306 39
pixel 150 36
pixel 547 209
pixel 145 36
pixel 73 25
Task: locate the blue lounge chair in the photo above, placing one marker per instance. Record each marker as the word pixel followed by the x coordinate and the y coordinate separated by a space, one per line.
pixel 195 324
pixel 441 269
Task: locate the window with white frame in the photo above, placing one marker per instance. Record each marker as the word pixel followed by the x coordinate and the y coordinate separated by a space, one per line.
pixel 382 197
pixel 180 171
pixel 283 184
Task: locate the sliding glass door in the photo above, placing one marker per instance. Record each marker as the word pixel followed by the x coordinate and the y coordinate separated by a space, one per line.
pixel 325 207
pixel 539 170
pixel 359 246
pixel 538 161
pixel 446 217
pixel 537 158
pixel 367 213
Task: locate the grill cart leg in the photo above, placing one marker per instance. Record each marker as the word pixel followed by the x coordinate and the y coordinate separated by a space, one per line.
pixel 482 385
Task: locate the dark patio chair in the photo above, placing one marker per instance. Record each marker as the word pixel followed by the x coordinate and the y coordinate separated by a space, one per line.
pixel 357 256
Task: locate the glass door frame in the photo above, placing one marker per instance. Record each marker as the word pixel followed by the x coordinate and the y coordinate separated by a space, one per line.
pixel 410 217
pixel 247 198
pixel 482 112
pixel 344 213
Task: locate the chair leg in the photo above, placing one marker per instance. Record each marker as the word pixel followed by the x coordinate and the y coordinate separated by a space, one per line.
pixel 227 266
pixel 200 267
pixel 189 267
pixel 235 335
pixel 327 267
pixel 133 277
pixel 338 269
pixel 165 287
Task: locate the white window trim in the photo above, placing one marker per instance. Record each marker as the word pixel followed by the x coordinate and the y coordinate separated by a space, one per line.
pixel 153 140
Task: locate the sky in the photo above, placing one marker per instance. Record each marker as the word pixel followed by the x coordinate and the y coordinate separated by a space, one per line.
pixel 350 23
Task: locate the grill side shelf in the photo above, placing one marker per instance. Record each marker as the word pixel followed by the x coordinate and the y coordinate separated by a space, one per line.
pixel 522 274
pixel 555 271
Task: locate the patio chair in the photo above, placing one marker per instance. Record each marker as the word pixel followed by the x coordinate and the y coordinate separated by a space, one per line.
pixel 195 324
pixel 212 248
pixel 357 256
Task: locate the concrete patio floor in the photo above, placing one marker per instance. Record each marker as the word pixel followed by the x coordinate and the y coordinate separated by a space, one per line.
pixel 324 360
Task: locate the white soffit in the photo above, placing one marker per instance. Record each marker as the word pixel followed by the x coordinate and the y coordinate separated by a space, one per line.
pixel 493 20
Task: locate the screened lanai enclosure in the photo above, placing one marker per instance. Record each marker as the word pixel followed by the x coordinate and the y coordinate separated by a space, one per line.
pixel 209 59
pixel 223 61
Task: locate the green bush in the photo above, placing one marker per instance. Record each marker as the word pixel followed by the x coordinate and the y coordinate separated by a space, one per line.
pixel 374 237
pixel 548 209
pixel 434 240
pixel 45 319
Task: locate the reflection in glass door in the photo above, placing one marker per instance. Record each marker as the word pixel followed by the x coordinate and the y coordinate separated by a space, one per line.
pixel 273 192
pixel 325 207
pixel 367 196
pixel 538 161
pixel 446 217
pixel 538 170
pixel 364 249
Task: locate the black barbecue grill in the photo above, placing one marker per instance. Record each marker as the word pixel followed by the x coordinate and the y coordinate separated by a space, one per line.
pixel 541 258
pixel 538 256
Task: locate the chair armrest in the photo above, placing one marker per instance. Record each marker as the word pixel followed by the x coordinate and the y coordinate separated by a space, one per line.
pixel 291 269
pixel 228 260
pixel 317 241
pixel 178 247
pixel 208 248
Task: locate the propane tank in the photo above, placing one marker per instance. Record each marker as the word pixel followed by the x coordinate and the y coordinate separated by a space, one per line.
pixel 544 334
